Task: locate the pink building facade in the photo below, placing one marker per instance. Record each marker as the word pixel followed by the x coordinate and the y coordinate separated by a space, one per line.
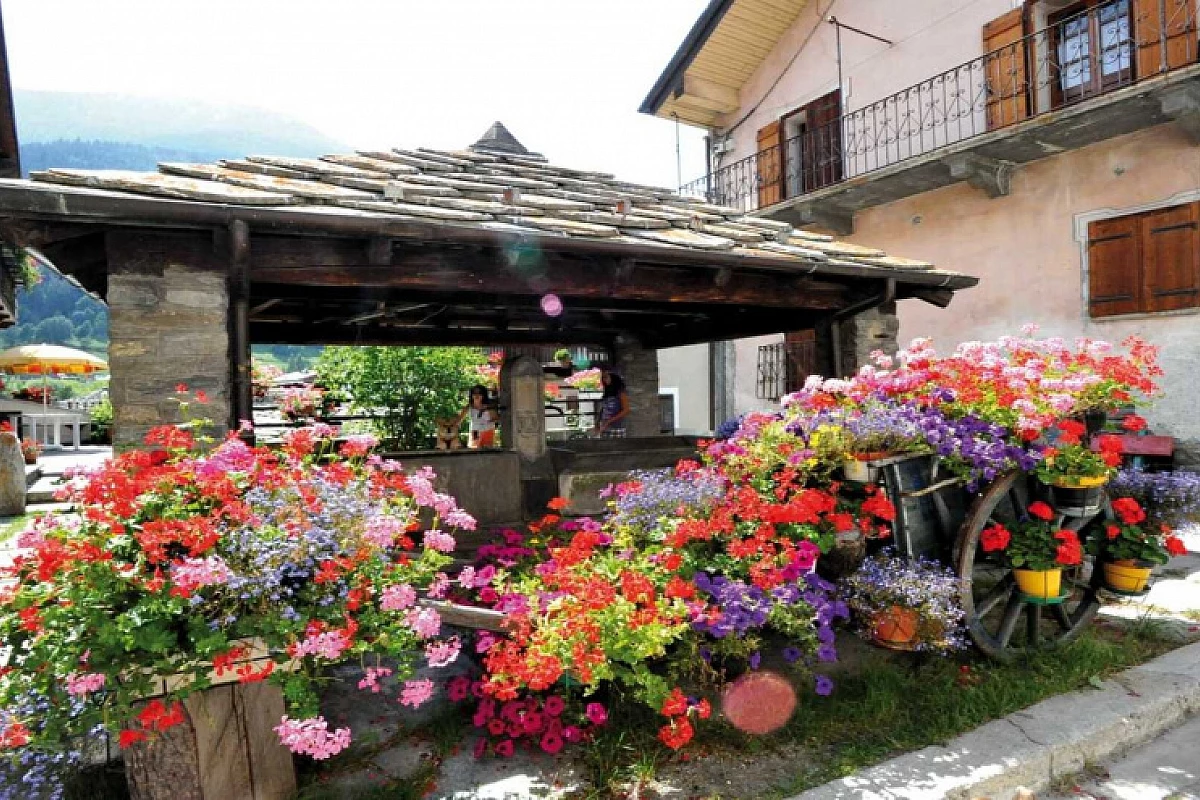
pixel 1049 148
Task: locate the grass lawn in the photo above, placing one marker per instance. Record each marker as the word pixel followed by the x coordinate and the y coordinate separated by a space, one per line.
pixel 11 526
pixel 882 707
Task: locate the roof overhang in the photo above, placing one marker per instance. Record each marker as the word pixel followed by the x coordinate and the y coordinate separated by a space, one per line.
pixel 322 275
pixel 725 47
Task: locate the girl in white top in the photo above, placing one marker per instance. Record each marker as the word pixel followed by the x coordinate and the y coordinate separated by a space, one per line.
pixel 481 418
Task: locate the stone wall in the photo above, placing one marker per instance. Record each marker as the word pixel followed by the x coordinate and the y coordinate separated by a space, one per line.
pixel 861 335
pixel 639 368
pixel 168 311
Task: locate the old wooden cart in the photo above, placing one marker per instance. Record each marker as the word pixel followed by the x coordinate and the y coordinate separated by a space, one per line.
pixel 937 518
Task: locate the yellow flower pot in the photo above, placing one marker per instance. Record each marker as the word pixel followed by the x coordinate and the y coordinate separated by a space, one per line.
pixel 1126 576
pixel 1081 482
pixel 1045 584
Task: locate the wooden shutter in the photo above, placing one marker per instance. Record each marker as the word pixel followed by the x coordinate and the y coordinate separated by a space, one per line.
pixel 1171 258
pixel 769 167
pixel 801 349
pixel 1148 30
pixel 1006 69
pixel 1114 267
pixel 822 151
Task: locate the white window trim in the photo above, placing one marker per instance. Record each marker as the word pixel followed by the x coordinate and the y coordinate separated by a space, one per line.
pixel 674 392
pixel 1083 219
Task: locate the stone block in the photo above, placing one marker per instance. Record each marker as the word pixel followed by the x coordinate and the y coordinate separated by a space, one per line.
pixel 196 298
pixel 132 348
pixel 583 489
pixel 128 292
pixel 12 476
pixel 213 343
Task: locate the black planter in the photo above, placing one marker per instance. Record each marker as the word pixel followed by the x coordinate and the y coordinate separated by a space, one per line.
pixel 1095 421
pixel 1077 501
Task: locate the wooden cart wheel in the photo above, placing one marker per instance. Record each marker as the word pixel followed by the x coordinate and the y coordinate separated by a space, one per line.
pixel 1002 622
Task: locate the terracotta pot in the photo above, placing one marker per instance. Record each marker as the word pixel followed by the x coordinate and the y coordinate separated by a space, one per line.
pixel 31 458
pixel 1126 575
pixel 895 627
pixel 1044 584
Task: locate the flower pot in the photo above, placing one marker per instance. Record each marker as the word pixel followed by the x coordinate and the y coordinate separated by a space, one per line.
pixel 1078 497
pixel 844 558
pixel 859 470
pixel 895 627
pixel 1094 421
pixel 1043 584
pixel 31 458
pixel 1126 576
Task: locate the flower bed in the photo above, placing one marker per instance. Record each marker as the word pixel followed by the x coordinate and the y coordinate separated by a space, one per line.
pixel 181 556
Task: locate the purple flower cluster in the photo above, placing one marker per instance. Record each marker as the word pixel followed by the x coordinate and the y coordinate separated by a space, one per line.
pixel 745 607
pixel 927 587
pixel 973 448
pixel 1170 498
pixel 662 494
pixel 30 773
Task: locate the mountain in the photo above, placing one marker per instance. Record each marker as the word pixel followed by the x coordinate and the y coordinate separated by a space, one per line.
pixel 187 125
pixel 111 131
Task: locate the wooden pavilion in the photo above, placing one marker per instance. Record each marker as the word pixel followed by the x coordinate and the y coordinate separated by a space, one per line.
pixel 490 245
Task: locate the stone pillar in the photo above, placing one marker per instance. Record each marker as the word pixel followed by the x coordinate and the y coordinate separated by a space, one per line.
pixel 523 429
pixel 168 325
pixel 639 368
pixel 858 337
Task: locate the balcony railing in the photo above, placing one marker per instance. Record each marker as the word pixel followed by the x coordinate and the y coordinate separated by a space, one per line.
pixel 1108 47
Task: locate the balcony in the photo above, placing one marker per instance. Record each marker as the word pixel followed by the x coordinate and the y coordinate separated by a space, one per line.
pixel 1111 70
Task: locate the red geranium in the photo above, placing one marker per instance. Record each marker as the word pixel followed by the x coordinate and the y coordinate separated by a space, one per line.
pixel 995 538
pixel 1128 510
pixel 1069 551
pixel 1133 423
pixel 1041 511
pixel 1175 546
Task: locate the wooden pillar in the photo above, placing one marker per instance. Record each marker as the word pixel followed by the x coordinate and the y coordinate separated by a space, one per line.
pixel 242 389
pixel 523 429
pixel 168 305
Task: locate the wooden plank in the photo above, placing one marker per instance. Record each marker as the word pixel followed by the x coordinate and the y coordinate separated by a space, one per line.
pixel 260 707
pixel 166 766
pixel 1171 258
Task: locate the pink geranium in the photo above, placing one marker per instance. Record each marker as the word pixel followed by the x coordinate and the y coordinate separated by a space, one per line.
pixel 416 693
pixel 312 737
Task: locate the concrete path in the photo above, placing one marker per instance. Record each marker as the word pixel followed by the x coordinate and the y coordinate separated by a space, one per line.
pixel 1166 769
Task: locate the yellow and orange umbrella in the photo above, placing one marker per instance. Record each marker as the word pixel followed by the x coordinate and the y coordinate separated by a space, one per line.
pixel 49 359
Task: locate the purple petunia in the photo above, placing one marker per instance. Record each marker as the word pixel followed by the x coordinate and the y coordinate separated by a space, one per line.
pixel 824 685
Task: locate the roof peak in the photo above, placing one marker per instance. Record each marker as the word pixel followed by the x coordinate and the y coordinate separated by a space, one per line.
pixel 499 139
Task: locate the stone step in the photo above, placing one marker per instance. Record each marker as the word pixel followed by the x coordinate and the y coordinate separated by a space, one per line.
pixel 42 491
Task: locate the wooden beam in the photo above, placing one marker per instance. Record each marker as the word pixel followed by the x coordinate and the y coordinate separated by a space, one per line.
pixel 379 251
pixel 323 263
pixel 305 333
pixel 709 95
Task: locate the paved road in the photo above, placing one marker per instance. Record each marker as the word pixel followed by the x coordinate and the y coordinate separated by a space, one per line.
pixel 1167 768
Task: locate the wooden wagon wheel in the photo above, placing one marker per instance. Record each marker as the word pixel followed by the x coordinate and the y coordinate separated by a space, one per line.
pixel 993 607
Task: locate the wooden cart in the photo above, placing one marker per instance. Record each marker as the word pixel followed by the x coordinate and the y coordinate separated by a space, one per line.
pixel 937 518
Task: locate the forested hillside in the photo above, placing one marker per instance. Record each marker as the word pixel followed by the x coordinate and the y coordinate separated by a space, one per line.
pixel 100 154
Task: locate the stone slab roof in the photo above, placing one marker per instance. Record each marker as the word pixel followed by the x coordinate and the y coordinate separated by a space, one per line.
pixel 488 188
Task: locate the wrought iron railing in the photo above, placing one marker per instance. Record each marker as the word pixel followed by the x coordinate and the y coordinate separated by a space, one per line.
pixel 783 367
pixel 1071 60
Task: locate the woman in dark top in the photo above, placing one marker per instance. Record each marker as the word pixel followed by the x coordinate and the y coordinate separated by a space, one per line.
pixel 614 406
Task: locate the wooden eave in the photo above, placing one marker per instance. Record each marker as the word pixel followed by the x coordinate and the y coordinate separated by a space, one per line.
pixel 723 50
pixel 321 275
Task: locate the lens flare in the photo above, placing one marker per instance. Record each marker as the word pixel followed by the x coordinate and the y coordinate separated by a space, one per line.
pixel 551 305
pixel 759 702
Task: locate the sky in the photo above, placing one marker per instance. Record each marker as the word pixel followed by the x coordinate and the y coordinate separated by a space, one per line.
pixel 565 76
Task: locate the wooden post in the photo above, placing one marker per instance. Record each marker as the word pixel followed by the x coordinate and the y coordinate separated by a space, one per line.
pixel 226 748
pixel 241 385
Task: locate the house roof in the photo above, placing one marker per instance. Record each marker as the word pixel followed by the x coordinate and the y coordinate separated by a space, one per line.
pixel 429 246
pixel 726 46
pixel 485 188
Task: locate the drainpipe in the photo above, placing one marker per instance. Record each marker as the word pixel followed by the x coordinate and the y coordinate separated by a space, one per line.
pixel 835 325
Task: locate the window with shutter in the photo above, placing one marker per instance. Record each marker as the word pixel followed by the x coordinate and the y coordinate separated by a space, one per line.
pixel 1114 267
pixel 1171 258
pixel 1006 68
pixel 1180 34
pixel 1144 263
pixel 769 166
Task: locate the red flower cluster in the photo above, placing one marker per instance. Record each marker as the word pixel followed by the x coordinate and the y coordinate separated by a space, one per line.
pixel 1070 551
pixel 1128 510
pixel 677 708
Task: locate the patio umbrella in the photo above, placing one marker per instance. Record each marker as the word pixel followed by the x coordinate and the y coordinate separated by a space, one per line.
pixel 49 359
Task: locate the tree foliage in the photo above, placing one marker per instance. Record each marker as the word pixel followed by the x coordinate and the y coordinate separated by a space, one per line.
pixel 409 386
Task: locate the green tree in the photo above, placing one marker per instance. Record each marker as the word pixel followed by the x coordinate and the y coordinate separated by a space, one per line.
pixel 55 330
pixel 409 386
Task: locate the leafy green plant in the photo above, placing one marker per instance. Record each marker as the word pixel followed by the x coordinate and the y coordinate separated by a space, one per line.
pixel 1036 542
pixel 102 421
pixel 409 387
